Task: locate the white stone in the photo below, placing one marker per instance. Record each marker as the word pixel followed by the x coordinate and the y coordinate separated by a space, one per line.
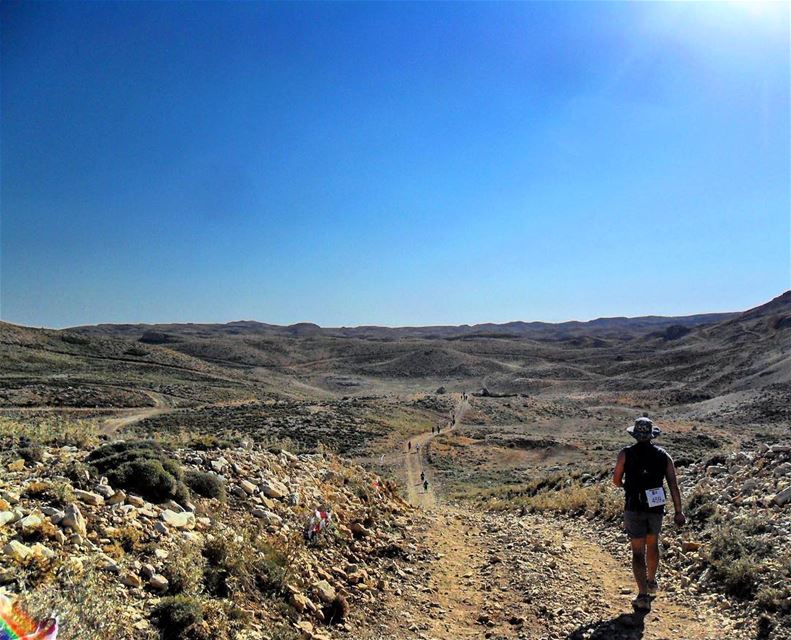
pixel 184 520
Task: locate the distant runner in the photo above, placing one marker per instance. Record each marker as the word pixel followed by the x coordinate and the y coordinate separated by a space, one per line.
pixel 409 445
pixel 422 476
pixel 641 470
pixel 425 485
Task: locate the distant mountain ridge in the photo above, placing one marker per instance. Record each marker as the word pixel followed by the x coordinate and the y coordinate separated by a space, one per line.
pixel 602 327
pixel 702 355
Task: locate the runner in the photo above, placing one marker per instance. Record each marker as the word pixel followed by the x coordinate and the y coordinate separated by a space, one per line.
pixel 409 445
pixel 425 486
pixel 641 470
pixel 422 476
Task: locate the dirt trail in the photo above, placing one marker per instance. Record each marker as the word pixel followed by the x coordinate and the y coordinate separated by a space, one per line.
pixel 539 578
pixel 415 461
pixel 131 416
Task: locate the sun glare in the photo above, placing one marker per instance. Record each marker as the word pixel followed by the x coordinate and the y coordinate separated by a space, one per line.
pixel 759 8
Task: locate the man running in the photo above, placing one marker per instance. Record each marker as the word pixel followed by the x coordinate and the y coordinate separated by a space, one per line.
pixel 425 486
pixel 641 470
pixel 409 445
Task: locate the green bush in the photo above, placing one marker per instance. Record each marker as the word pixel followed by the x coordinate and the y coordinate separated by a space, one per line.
pixel 272 566
pixel 141 467
pixel 175 616
pixel 204 484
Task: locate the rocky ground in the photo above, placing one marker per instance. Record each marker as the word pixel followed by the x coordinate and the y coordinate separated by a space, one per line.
pixel 231 560
pixel 65 533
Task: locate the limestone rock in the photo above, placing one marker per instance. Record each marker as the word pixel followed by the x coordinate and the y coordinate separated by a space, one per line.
pixel 325 591
pixel 88 497
pixel 8 517
pixel 783 497
pixel 248 487
pixel 17 551
pixel 273 489
pixel 158 582
pixel 130 579
pixel 73 520
pixel 184 520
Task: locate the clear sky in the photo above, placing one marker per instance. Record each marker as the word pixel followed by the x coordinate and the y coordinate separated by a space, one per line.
pixel 392 163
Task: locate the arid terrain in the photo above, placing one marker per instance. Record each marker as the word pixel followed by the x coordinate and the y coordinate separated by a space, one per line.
pixel 158 478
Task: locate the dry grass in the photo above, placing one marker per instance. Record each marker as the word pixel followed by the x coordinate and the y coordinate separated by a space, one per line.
pixel 87 602
pixel 55 431
pixel 599 499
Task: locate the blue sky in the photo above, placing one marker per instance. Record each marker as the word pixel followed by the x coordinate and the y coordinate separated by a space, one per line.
pixel 391 163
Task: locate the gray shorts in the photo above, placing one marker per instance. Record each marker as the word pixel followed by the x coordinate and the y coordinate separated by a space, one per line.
pixel 639 524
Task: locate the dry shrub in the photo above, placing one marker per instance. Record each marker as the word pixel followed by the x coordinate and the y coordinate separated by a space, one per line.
pixel 738 560
pixel 337 610
pixel 59 492
pixel 43 532
pixel 87 603
pixel 179 618
pixel 128 537
pixel 184 569
pixel 34 571
pixel 247 562
pixel 51 431
pixel 115 551
pixel 598 499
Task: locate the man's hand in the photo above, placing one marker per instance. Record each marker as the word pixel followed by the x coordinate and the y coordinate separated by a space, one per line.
pixel 680 519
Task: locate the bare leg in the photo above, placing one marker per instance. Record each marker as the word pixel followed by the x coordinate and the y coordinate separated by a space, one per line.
pixel 638 564
pixel 651 555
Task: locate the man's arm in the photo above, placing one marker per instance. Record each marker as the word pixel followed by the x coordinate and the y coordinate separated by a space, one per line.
pixel 620 464
pixel 675 492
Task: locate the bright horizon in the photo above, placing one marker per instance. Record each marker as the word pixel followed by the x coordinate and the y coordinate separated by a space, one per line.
pixel 406 164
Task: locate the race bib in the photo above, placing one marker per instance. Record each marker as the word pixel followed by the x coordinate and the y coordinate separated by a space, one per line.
pixel 656 497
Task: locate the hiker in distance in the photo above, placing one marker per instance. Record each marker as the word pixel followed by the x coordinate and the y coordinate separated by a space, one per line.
pixel 641 470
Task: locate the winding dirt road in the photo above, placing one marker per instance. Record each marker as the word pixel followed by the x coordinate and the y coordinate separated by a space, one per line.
pixel 131 416
pixel 415 461
pixel 496 575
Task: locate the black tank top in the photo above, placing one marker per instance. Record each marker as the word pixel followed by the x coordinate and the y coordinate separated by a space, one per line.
pixel 645 469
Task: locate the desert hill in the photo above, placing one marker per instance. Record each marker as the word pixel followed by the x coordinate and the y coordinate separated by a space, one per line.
pixel 621 328
pixel 707 353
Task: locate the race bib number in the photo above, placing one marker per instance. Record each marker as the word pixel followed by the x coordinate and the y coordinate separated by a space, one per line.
pixel 656 497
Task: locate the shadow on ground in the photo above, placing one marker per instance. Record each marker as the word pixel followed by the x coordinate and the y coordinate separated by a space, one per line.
pixel 627 626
